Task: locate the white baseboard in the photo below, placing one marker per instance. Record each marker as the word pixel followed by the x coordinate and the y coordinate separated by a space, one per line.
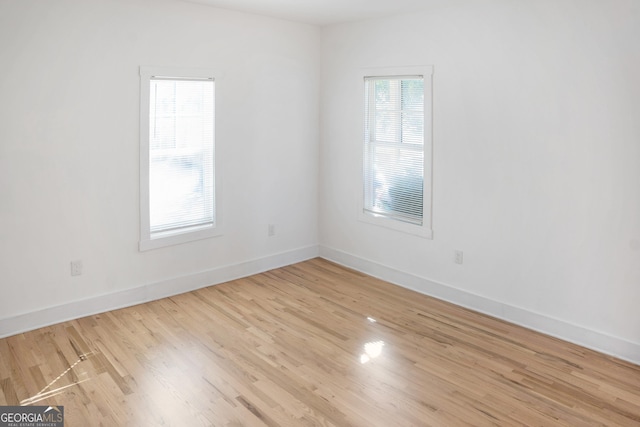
pixel 595 340
pixel 604 343
pixel 76 309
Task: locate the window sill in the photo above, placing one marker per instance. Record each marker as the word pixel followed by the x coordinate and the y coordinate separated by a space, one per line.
pixel 423 231
pixel 161 240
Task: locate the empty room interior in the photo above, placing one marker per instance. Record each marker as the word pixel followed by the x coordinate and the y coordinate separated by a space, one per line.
pixel 321 212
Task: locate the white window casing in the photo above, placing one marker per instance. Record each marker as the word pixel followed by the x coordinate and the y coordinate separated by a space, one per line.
pixel 397 149
pixel 179 185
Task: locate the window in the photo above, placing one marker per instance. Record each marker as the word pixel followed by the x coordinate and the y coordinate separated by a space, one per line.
pixel 177 157
pixel 397 150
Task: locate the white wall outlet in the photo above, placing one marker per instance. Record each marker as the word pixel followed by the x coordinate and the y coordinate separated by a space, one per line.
pixel 76 268
pixel 457 256
pixel 272 230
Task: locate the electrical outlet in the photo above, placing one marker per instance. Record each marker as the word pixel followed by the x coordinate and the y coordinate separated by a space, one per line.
pixel 272 230
pixel 76 268
pixel 457 256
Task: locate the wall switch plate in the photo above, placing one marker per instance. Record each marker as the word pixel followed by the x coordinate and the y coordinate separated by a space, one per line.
pixel 272 230
pixel 457 257
pixel 76 268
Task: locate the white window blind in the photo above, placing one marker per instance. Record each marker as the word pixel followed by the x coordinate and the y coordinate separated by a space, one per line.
pixel 181 150
pixel 394 148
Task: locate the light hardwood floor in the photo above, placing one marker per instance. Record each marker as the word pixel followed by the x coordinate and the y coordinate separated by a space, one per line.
pixel 312 344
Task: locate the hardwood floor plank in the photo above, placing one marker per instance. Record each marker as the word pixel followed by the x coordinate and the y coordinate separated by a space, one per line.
pixel 312 344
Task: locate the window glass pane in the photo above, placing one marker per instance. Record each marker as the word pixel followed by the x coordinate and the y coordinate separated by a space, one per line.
pixel 394 156
pixel 386 126
pixel 413 94
pixel 181 153
pixel 413 127
pixel 398 181
pixel 383 94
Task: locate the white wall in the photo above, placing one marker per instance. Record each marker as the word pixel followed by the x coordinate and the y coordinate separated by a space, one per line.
pixel 69 123
pixel 536 161
pixel 536 148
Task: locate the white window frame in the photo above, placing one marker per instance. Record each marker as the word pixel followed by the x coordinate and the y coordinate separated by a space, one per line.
pixel 148 240
pixel 425 229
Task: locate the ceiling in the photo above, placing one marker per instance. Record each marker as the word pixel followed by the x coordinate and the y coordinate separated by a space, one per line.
pixel 322 12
